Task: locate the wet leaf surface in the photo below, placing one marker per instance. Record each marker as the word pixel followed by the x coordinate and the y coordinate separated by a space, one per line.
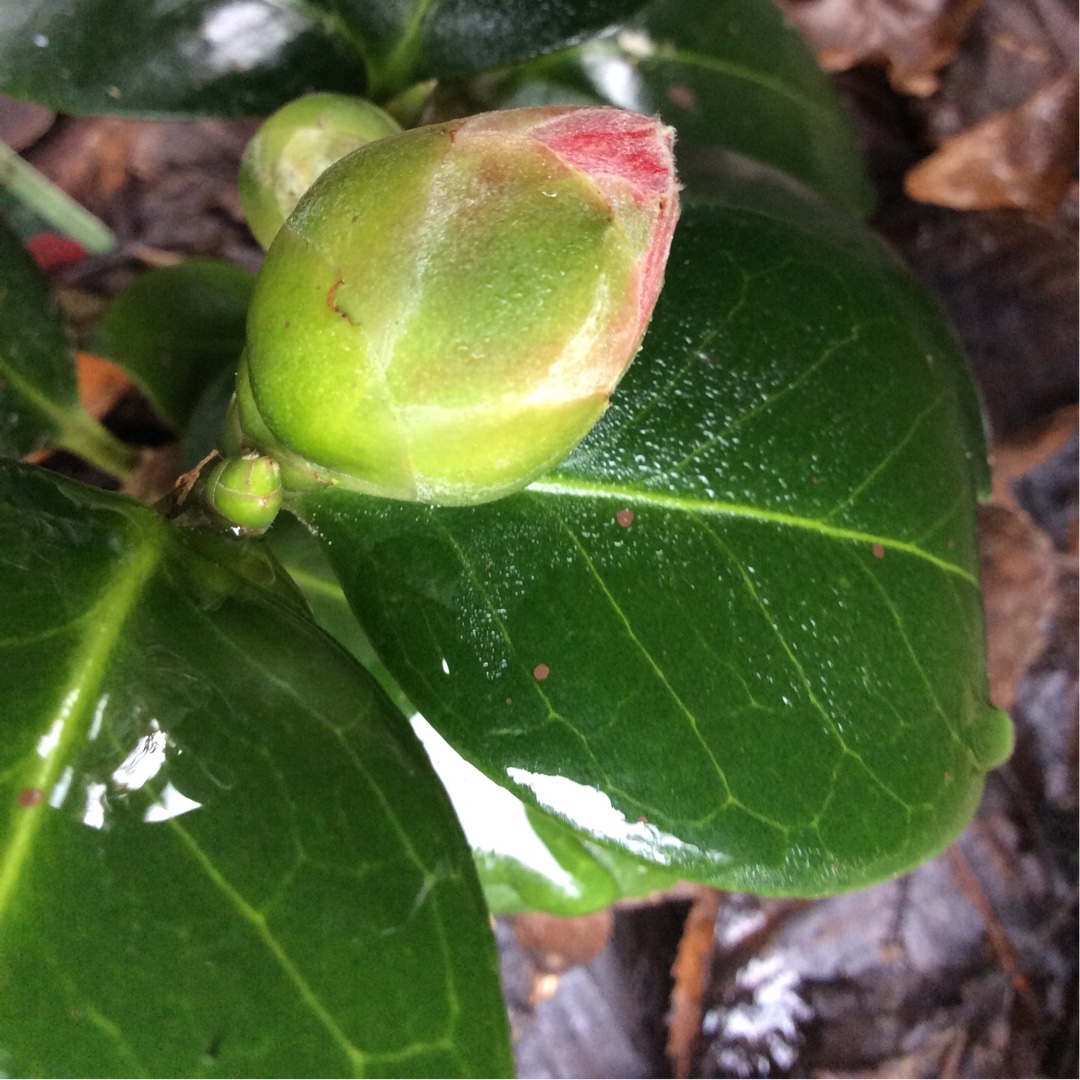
pixel 419 39
pixel 526 859
pixel 229 58
pixel 221 850
pixel 207 57
pixel 966 967
pixel 762 560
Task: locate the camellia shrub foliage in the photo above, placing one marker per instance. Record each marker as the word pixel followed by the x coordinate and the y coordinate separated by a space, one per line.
pixel 453 611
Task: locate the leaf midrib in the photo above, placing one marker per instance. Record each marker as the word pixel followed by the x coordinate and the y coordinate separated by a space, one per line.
pixel 689 504
pixel 77 697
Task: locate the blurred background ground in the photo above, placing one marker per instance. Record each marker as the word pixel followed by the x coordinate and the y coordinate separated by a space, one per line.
pixel 967 114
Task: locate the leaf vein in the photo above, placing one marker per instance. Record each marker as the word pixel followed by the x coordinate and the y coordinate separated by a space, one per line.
pixel 689 504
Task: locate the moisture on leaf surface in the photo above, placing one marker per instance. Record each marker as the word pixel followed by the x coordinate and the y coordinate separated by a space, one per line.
pixel 738 632
pixel 222 852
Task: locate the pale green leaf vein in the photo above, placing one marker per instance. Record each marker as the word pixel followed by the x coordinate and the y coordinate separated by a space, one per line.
pixel 644 651
pixel 691 505
pixel 800 671
pixel 76 698
pixel 895 451
pixel 257 921
pixel 756 77
pixel 773 398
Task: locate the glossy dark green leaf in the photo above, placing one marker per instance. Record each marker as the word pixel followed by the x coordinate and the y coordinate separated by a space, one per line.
pixel 526 859
pixel 175 329
pixel 39 402
pixel 247 57
pixel 739 631
pixel 222 853
pixel 173 60
pixel 734 75
pixel 406 40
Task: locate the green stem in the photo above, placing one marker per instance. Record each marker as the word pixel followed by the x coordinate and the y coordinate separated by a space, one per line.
pixel 53 205
pixel 80 433
pixel 75 429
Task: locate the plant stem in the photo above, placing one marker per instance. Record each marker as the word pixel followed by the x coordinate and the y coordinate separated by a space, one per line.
pixel 83 435
pixel 53 205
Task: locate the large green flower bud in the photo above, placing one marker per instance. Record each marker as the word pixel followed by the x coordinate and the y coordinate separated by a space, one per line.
pixel 295 146
pixel 447 311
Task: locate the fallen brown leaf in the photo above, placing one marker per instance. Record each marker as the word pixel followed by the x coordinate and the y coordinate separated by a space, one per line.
pixel 1022 158
pixel 912 39
pixel 556 944
pixel 100 383
pixel 1020 569
pixel 691 970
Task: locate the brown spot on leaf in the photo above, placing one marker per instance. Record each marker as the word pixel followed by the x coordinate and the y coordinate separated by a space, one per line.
pixel 30 796
pixel 541 672
pixel 625 518
pixel 879 551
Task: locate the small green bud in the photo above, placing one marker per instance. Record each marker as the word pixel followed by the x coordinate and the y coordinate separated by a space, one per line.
pixel 295 146
pixel 246 490
pixel 447 311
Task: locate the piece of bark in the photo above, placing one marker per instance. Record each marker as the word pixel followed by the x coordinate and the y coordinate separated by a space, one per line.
pixel 607 1017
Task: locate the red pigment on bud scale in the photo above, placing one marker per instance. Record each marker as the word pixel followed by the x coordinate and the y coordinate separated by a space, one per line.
pixel 636 150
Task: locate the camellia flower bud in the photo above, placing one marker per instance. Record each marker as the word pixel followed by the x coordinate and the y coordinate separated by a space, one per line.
pixel 295 146
pixel 447 311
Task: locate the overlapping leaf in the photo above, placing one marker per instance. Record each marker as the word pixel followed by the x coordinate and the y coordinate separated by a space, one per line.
pixel 247 57
pixel 39 402
pixel 525 858
pixel 738 632
pixel 732 75
pixel 221 852
pixel 176 329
